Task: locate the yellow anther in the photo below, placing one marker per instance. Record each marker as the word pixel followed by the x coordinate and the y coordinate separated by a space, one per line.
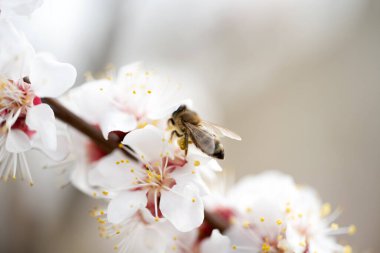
pixel 118 232
pixel 265 247
pixel 234 247
pixel 302 244
pixel 246 224
pixel 142 124
pixel 197 163
pixel 132 170
pixel 94 194
pixel 174 238
pixel 149 92
pixel 248 210
pixel 14 177
pixel 288 210
pixel 326 209
pixel 115 247
pixel 193 172
pixel 105 193
pixel 120 145
pixel 280 237
pixel 174 248
pixel 134 92
pixel 300 215
pixel 334 226
pixel 193 200
pixel 117 162
pixel 262 219
pixel 31 184
pixel 101 221
pixel 278 222
pixel 347 249
pixel 156 219
pixel 122 161
pixel 101 212
pixel 351 229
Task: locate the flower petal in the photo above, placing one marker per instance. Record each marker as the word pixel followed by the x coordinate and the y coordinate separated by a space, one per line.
pixel 147 142
pixel 16 53
pixel 40 118
pixel 17 141
pixel 217 243
pixel 58 154
pixel 183 207
pixel 117 121
pixel 108 173
pixel 125 205
pixel 51 78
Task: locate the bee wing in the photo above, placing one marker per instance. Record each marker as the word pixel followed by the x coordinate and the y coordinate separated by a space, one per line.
pixel 220 131
pixel 203 139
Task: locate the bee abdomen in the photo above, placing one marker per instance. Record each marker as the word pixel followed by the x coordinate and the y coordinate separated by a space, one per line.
pixel 219 150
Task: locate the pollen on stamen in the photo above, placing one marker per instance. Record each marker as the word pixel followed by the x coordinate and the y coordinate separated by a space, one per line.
pixel 347 249
pixel 193 200
pixel 149 92
pixel 334 226
pixel 246 224
pixel 197 163
pixel 105 193
pixel 326 209
pixel 156 219
pixel 265 247
pixel 262 219
pixel 248 210
pixel 117 162
pixel 234 247
pixel 134 92
pixel 352 230
pixel 279 222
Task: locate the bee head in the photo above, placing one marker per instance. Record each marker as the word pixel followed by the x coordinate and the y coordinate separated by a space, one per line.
pixel 179 110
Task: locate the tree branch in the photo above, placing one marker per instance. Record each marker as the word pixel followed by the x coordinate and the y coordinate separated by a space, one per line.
pixel 65 115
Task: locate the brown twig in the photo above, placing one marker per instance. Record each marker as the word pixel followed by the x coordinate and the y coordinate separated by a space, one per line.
pixel 110 145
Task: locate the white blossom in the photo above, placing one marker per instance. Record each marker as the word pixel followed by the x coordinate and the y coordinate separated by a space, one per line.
pixel 26 122
pixel 141 233
pixel 168 184
pixel 271 214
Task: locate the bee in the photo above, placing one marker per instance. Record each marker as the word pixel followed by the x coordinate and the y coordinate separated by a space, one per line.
pixel 189 128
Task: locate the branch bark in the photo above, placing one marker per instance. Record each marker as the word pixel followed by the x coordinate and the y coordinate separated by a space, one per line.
pixel 65 115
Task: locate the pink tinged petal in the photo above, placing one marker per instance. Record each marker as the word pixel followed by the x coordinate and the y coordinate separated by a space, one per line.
pixel 125 205
pixel 147 142
pixel 17 141
pixel 117 121
pixel 183 207
pixel 217 243
pixel 111 174
pixel 51 78
pixel 40 118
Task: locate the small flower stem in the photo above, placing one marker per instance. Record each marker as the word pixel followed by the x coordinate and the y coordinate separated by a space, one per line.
pixel 65 115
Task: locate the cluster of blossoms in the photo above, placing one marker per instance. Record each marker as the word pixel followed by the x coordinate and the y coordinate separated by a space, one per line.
pixel 25 77
pixel 155 200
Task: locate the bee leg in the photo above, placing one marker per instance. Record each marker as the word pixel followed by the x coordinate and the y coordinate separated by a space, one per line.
pixel 171 122
pixel 186 144
pixel 175 133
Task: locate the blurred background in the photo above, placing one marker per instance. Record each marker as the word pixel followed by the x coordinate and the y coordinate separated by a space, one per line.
pixel 299 80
